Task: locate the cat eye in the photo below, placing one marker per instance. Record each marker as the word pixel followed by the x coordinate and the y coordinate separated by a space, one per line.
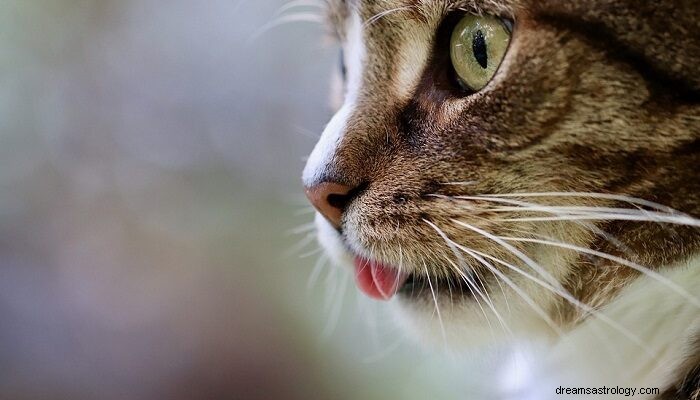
pixel 477 46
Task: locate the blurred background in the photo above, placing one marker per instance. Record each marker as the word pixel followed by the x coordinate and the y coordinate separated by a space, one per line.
pixel 153 233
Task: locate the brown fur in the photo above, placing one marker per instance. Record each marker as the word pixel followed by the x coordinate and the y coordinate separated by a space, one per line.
pixel 593 96
pixel 601 98
pixel 687 386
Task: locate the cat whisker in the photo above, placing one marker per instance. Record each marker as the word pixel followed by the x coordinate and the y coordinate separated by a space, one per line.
pixel 481 258
pixel 305 241
pixel 582 213
pixel 400 265
pixel 303 228
pixel 467 279
pixel 519 205
pixel 644 270
pixel 556 287
pixel 527 260
pixel 596 231
pixel 334 316
pixel 466 205
pixel 283 20
pixel 321 263
pixel 331 285
pixel 298 4
pixel 384 13
pixel 437 306
pixel 311 253
pixel 474 254
pixel 466 183
pixel 307 133
pixel 576 210
pixel 474 292
pixel 527 298
pixel 587 225
pixel 603 196
pixel 685 221
pixel 305 211
pixel 470 283
pixel 384 353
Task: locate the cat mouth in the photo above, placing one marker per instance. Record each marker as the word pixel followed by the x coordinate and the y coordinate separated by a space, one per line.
pixel 377 280
pixel 381 281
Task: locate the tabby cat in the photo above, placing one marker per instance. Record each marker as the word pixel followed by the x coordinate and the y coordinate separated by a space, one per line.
pixel 524 171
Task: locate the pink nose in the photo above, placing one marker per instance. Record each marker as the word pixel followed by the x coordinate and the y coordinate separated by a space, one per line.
pixel 330 199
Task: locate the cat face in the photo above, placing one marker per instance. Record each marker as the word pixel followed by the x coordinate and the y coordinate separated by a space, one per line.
pixel 481 206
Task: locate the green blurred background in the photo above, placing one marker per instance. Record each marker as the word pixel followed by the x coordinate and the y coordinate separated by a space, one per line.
pixel 151 207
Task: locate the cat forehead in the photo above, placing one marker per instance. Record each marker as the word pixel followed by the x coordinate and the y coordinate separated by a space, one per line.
pixel 338 11
pixel 420 4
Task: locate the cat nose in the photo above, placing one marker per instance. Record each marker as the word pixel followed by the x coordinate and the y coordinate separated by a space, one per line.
pixel 330 199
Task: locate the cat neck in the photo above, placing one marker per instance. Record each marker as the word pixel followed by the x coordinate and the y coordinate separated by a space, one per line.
pixel 647 337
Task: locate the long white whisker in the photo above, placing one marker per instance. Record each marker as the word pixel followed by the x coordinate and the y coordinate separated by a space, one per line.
pixel 472 287
pixel 604 196
pixel 311 253
pixel 331 286
pixel 437 307
pixel 470 284
pixel 316 272
pixel 400 264
pixel 465 183
pixel 466 278
pixel 297 4
pixel 304 228
pixel 646 271
pixel 583 210
pixel 304 211
pixel 527 260
pixel 384 13
pixel 512 267
pixel 655 217
pixel 567 210
pixel 493 270
pixel 577 303
pixel 307 132
pixel 480 257
pixel 589 226
pixel 285 19
pixel 334 316
pixel 557 288
pixel 305 241
pixel 385 352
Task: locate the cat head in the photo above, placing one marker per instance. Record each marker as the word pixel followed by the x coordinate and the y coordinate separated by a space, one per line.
pixel 492 161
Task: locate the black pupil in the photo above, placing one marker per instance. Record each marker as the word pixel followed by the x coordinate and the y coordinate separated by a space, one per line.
pixel 479 49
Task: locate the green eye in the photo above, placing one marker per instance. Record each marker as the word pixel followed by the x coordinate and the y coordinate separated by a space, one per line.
pixel 477 47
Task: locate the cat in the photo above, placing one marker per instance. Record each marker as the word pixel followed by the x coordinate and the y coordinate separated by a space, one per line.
pixel 524 171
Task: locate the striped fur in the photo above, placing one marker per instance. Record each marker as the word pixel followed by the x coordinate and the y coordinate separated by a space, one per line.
pixel 593 96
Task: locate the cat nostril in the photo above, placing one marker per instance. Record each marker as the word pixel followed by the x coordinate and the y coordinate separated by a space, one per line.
pixel 339 201
pixel 331 199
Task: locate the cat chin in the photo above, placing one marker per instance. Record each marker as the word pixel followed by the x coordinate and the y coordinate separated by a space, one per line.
pixel 457 327
pixel 461 324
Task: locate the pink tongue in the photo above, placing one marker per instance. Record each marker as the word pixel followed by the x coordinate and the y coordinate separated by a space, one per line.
pixel 376 280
